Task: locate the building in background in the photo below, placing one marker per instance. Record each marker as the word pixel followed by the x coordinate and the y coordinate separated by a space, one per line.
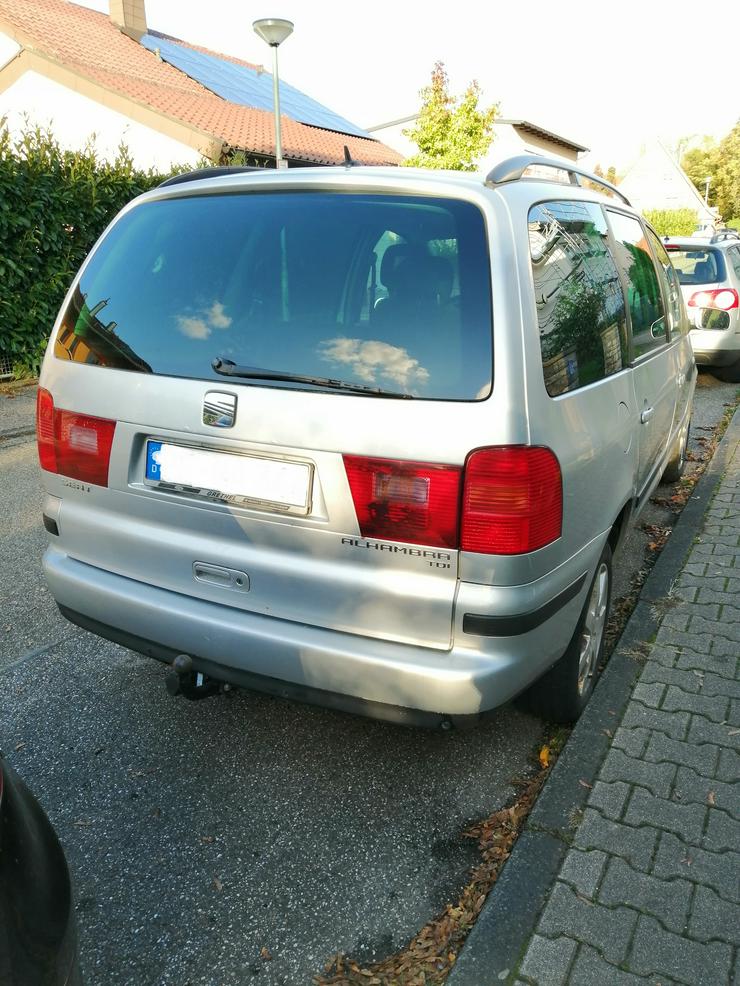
pixel 510 137
pixel 657 181
pixel 80 72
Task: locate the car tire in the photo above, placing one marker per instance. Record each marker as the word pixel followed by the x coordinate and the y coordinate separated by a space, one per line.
pixel 677 462
pixel 728 374
pixel 563 692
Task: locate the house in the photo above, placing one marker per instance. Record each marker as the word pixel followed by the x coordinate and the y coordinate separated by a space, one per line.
pixel 510 137
pixel 657 181
pixel 171 102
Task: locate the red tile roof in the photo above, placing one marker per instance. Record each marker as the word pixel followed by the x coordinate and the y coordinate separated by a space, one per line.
pixel 88 43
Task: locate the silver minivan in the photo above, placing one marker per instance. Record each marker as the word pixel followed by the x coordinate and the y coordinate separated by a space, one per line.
pixel 363 437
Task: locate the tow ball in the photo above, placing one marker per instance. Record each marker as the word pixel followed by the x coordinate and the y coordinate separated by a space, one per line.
pixel 184 680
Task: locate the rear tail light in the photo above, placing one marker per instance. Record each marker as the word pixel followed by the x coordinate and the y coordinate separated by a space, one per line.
pixel 74 445
pixel 512 500
pixel 412 502
pixel 722 299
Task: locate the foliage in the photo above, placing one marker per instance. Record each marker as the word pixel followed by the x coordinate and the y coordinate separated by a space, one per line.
pixel 733 223
pixel 610 176
pixel 720 162
pixel 54 204
pixel 449 132
pixel 672 222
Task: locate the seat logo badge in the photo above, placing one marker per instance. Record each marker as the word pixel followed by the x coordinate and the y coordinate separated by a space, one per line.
pixel 219 410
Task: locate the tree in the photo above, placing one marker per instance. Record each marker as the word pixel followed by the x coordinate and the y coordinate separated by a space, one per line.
pixel 449 132
pixel 721 163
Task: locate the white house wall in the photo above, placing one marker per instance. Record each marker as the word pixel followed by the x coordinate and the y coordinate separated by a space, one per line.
pixel 75 119
pixel 8 49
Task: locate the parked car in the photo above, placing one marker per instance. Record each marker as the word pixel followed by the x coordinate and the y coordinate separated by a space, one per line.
pixel 363 437
pixel 38 938
pixel 710 282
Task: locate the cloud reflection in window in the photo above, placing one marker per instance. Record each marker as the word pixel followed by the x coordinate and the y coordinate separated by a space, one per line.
pixel 370 359
pixel 201 325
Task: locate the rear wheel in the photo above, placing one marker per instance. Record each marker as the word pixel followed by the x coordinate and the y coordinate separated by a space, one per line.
pixel 730 374
pixel 677 463
pixel 563 692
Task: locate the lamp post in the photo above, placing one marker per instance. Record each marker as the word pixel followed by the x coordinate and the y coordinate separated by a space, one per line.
pixel 707 180
pixel 274 31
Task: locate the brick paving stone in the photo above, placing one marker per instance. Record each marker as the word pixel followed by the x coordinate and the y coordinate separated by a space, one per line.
pixel 729 766
pixel 656 777
pixel 714 708
pixel 610 799
pixel 673 724
pixel 692 788
pixel 668 675
pixel 548 960
pixel 659 952
pixel 703 731
pixel 675 859
pixel 583 870
pixel 685 820
pixel 721 664
pixel 631 741
pixel 649 693
pixel 702 758
pixel 714 684
pixel 607 928
pixel 636 845
pixel 713 919
pixel 590 969
pixel 667 900
pixel 733 717
pixel 723 832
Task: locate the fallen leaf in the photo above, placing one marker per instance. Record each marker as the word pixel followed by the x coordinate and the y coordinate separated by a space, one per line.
pixel 19 746
pixel 711 798
pixel 545 756
pixel 206 838
pixel 217 884
pixel 585 784
pixel 83 823
pixel 265 954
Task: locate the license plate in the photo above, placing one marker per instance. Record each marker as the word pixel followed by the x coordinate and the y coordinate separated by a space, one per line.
pixel 243 479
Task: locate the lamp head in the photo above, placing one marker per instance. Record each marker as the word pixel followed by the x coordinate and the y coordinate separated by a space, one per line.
pixel 273 30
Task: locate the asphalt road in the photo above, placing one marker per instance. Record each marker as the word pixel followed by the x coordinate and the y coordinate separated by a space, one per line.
pixel 200 834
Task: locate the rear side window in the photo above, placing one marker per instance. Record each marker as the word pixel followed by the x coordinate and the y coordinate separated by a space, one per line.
pixel 385 291
pixel 697 266
pixel 647 316
pixel 734 254
pixel 671 284
pixel 580 305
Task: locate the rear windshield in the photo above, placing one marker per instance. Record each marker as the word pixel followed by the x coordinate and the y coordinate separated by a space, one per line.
pixel 697 266
pixel 385 291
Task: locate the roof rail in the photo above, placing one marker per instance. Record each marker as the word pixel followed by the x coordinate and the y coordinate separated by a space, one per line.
pixel 513 168
pixel 199 173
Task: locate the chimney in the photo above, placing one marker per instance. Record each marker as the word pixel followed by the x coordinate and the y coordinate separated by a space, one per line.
pixel 129 16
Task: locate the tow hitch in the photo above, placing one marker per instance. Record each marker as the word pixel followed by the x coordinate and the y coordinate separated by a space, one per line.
pixel 184 680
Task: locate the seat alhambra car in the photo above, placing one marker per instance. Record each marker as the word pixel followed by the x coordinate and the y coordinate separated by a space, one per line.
pixel 363 437
pixel 709 273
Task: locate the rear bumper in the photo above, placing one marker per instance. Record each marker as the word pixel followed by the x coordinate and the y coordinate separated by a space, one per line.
pixel 340 670
pixel 714 347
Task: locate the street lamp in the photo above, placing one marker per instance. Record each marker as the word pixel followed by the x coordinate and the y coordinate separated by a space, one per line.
pixel 274 31
pixel 707 180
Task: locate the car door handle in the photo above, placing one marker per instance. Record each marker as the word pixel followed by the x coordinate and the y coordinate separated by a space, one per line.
pixel 647 415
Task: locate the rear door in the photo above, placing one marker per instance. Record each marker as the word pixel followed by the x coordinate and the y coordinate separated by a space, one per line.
pixel 318 481
pixel 653 358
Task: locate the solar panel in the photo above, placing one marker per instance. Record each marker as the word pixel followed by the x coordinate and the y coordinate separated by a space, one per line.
pixel 248 87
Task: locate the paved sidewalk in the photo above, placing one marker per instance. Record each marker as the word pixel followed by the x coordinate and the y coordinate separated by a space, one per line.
pixel 650 890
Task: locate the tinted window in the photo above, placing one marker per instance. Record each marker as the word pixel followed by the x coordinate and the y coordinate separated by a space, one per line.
pixel 580 305
pixel 380 290
pixel 700 265
pixel 645 303
pixel 671 285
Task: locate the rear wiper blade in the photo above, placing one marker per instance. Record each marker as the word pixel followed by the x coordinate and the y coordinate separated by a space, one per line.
pixel 228 368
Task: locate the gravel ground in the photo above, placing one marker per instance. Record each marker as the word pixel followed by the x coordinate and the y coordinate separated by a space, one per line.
pixel 202 833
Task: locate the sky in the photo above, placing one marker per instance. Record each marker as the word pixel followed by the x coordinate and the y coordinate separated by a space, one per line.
pixel 610 76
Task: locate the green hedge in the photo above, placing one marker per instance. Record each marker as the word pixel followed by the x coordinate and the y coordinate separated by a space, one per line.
pixel 53 206
pixel 672 222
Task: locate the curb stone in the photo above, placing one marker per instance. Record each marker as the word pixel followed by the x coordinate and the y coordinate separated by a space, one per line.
pixel 507 922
